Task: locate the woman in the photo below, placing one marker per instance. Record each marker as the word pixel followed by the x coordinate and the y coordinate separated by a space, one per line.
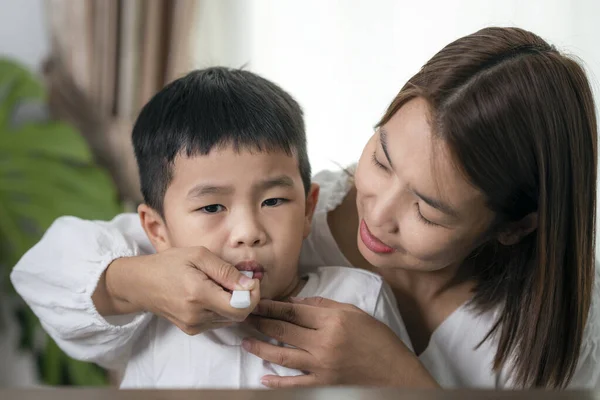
pixel 474 199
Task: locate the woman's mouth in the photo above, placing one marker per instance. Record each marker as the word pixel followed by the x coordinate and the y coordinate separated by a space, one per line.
pixel 372 242
pixel 256 268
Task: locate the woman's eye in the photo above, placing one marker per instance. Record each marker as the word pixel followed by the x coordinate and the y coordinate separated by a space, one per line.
pixel 377 163
pixel 212 209
pixel 273 202
pixel 423 219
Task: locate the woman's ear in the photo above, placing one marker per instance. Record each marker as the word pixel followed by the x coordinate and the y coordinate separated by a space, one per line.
pixel 513 232
pixel 311 204
pixel 155 227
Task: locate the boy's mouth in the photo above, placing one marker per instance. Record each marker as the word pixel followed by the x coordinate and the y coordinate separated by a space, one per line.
pixel 253 266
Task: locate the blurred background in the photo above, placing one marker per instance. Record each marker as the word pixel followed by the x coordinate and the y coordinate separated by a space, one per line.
pixel 74 74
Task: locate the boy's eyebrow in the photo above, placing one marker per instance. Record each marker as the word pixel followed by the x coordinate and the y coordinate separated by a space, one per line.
pixel 206 189
pixel 203 190
pixel 279 181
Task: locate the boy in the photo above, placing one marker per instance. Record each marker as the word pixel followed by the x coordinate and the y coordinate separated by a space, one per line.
pixel 223 164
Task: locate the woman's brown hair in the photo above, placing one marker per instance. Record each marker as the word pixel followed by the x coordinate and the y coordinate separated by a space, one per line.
pixel 519 119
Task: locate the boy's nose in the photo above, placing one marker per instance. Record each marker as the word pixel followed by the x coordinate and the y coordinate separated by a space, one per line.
pixel 248 233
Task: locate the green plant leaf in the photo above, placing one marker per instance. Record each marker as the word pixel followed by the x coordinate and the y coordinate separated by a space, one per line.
pixel 17 85
pixel 46 171
pixel 52 139
pixel 85 374
pixel 51 364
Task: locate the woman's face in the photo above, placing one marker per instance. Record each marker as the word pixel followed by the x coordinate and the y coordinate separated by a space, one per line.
pixel 416 210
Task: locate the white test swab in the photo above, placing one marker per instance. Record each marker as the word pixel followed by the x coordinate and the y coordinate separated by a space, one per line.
pixel 241 298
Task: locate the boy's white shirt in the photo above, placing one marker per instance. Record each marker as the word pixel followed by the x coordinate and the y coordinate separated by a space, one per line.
pixel 58 276
pixel 165 357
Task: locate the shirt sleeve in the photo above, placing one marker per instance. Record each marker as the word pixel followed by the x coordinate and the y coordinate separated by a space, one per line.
pixel 387 312
pixel 58 276
pixel 587 373
pixel 139 373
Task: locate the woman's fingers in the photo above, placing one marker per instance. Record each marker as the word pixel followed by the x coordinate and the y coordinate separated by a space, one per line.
pixel 279 382
pixel 220 271
pixel 282 331
pixel 319 302
pixel 297 314
pixel 335 344
pixel 284 356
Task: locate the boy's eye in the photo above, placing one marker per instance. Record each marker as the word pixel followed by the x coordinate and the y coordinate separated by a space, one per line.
pixel 212 209
pixel 273 202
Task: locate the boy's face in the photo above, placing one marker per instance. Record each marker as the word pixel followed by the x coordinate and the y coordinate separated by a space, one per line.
pixel 249 208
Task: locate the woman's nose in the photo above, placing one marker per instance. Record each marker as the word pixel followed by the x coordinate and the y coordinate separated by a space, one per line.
pixel 383 212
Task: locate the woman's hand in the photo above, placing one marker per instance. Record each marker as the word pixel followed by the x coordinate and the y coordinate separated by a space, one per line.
pixel 187 286
pixel 335 344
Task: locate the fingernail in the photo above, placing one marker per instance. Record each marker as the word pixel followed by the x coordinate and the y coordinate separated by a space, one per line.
pixel 246 283
pixel 297 299
pixel 264 382
pixel 246 344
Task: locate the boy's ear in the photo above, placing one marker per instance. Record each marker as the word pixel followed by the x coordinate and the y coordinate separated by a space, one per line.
pixel 155 227
pixel 311 204
pixel 513 232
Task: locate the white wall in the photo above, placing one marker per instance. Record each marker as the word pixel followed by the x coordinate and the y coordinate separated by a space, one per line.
pixel 344 60
pixel 23 31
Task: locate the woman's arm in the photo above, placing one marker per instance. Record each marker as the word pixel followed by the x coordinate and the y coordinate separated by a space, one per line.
pixel 65 281
pixel 335 344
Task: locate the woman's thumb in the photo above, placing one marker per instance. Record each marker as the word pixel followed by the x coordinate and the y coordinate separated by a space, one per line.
pixel 224 273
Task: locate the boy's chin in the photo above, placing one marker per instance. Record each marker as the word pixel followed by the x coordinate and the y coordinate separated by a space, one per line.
pixel 268 293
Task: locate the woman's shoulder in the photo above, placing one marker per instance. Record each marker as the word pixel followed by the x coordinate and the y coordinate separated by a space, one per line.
pixel 592 330
pixel 334 186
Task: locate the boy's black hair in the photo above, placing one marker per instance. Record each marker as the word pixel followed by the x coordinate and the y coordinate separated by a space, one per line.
pixel 211 108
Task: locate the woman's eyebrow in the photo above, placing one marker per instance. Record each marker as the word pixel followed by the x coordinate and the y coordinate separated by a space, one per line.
pixel 437 204
pixel 383 141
